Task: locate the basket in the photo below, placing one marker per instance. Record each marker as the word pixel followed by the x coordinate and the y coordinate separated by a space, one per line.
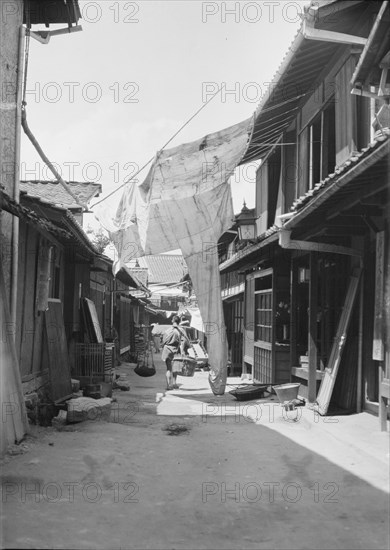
pixel 250 392
pixel 183 365
pixel 287 392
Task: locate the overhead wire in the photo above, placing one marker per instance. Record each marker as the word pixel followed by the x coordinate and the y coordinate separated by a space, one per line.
pixel 58 177
pixel 162 148
pixel 184 125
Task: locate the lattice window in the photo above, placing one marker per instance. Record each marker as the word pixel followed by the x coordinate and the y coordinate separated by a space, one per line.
pixel 262 366
pixel 263 315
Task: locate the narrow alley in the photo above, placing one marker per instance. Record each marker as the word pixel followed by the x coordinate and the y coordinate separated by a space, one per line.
pixel 186 469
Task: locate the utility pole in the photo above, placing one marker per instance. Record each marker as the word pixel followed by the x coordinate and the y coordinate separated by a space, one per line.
pixel 11 20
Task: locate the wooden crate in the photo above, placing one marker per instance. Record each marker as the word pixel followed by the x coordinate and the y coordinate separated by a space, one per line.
pixel 93 363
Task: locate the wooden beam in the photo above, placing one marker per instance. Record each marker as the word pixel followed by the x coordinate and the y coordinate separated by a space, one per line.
pixel 372 225
pixel 323 247
pixel 310 33
pixel 349 203
pixel 331 9
pixel 343 221
pixel 365 210
pixel 313 307
pixel 344 231
pixel 379 95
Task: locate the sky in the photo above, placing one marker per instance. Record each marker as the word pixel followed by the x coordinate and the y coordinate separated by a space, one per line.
pixel 103 101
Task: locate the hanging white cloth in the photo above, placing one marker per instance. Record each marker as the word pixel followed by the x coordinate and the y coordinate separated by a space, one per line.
pixel 185 202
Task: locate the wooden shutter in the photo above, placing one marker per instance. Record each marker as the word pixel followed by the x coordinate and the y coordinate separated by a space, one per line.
pixel 274 172
pixel 250 304
pixel 59 370
pixel 249 319
pixel 345 113
pixel 303 163
pixel 262 198
pixel 289 171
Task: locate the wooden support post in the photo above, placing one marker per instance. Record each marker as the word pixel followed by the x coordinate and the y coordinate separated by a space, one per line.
pixel 378 350
pixel 293 315
pixel 312 383
pixel 383 400
pixel 378 344
pixel 360 348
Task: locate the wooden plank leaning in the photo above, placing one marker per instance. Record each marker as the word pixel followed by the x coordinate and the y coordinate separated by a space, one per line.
pixel 329 379
pixel 14 424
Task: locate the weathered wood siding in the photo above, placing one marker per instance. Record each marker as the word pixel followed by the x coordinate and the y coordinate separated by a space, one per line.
pixel 345 113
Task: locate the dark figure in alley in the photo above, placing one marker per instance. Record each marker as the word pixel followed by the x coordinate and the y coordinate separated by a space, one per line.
pixel 175 341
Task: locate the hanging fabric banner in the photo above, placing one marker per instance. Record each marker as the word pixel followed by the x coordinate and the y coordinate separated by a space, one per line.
pixel 185 202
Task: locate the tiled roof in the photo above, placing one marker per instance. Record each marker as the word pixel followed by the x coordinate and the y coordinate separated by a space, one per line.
pixel 61 217
pixel 131 279
pixel 54 193
pixel 162 268
pixel 270 236
pixel 351 162
pixel 16 209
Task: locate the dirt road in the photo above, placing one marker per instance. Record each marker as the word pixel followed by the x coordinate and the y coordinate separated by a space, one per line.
pixel 147 481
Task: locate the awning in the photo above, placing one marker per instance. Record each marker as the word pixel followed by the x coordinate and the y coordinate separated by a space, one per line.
pixel 299 69
pixel 299 73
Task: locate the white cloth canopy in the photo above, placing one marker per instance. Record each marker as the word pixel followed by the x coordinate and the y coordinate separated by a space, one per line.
pixel 196 317
pixel 185 202
pixel 163 290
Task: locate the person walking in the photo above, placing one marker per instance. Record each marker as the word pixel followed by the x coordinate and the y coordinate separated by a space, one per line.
pixel 175 340
pixel 156 338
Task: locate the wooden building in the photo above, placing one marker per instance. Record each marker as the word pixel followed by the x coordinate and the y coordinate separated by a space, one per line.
pixel 319 262
pixel 13 18
pixel 58 267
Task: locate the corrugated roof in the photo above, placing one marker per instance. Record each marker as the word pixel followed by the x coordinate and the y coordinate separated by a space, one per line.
pixel 54 193
pixel 162 268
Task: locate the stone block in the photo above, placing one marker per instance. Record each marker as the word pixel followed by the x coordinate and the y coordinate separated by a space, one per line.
pixel 86 408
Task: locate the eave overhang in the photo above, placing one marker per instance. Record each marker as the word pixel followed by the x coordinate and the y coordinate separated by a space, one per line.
pixel 316 44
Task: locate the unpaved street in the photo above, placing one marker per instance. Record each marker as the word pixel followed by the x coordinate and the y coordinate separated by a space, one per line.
pixel 144 480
